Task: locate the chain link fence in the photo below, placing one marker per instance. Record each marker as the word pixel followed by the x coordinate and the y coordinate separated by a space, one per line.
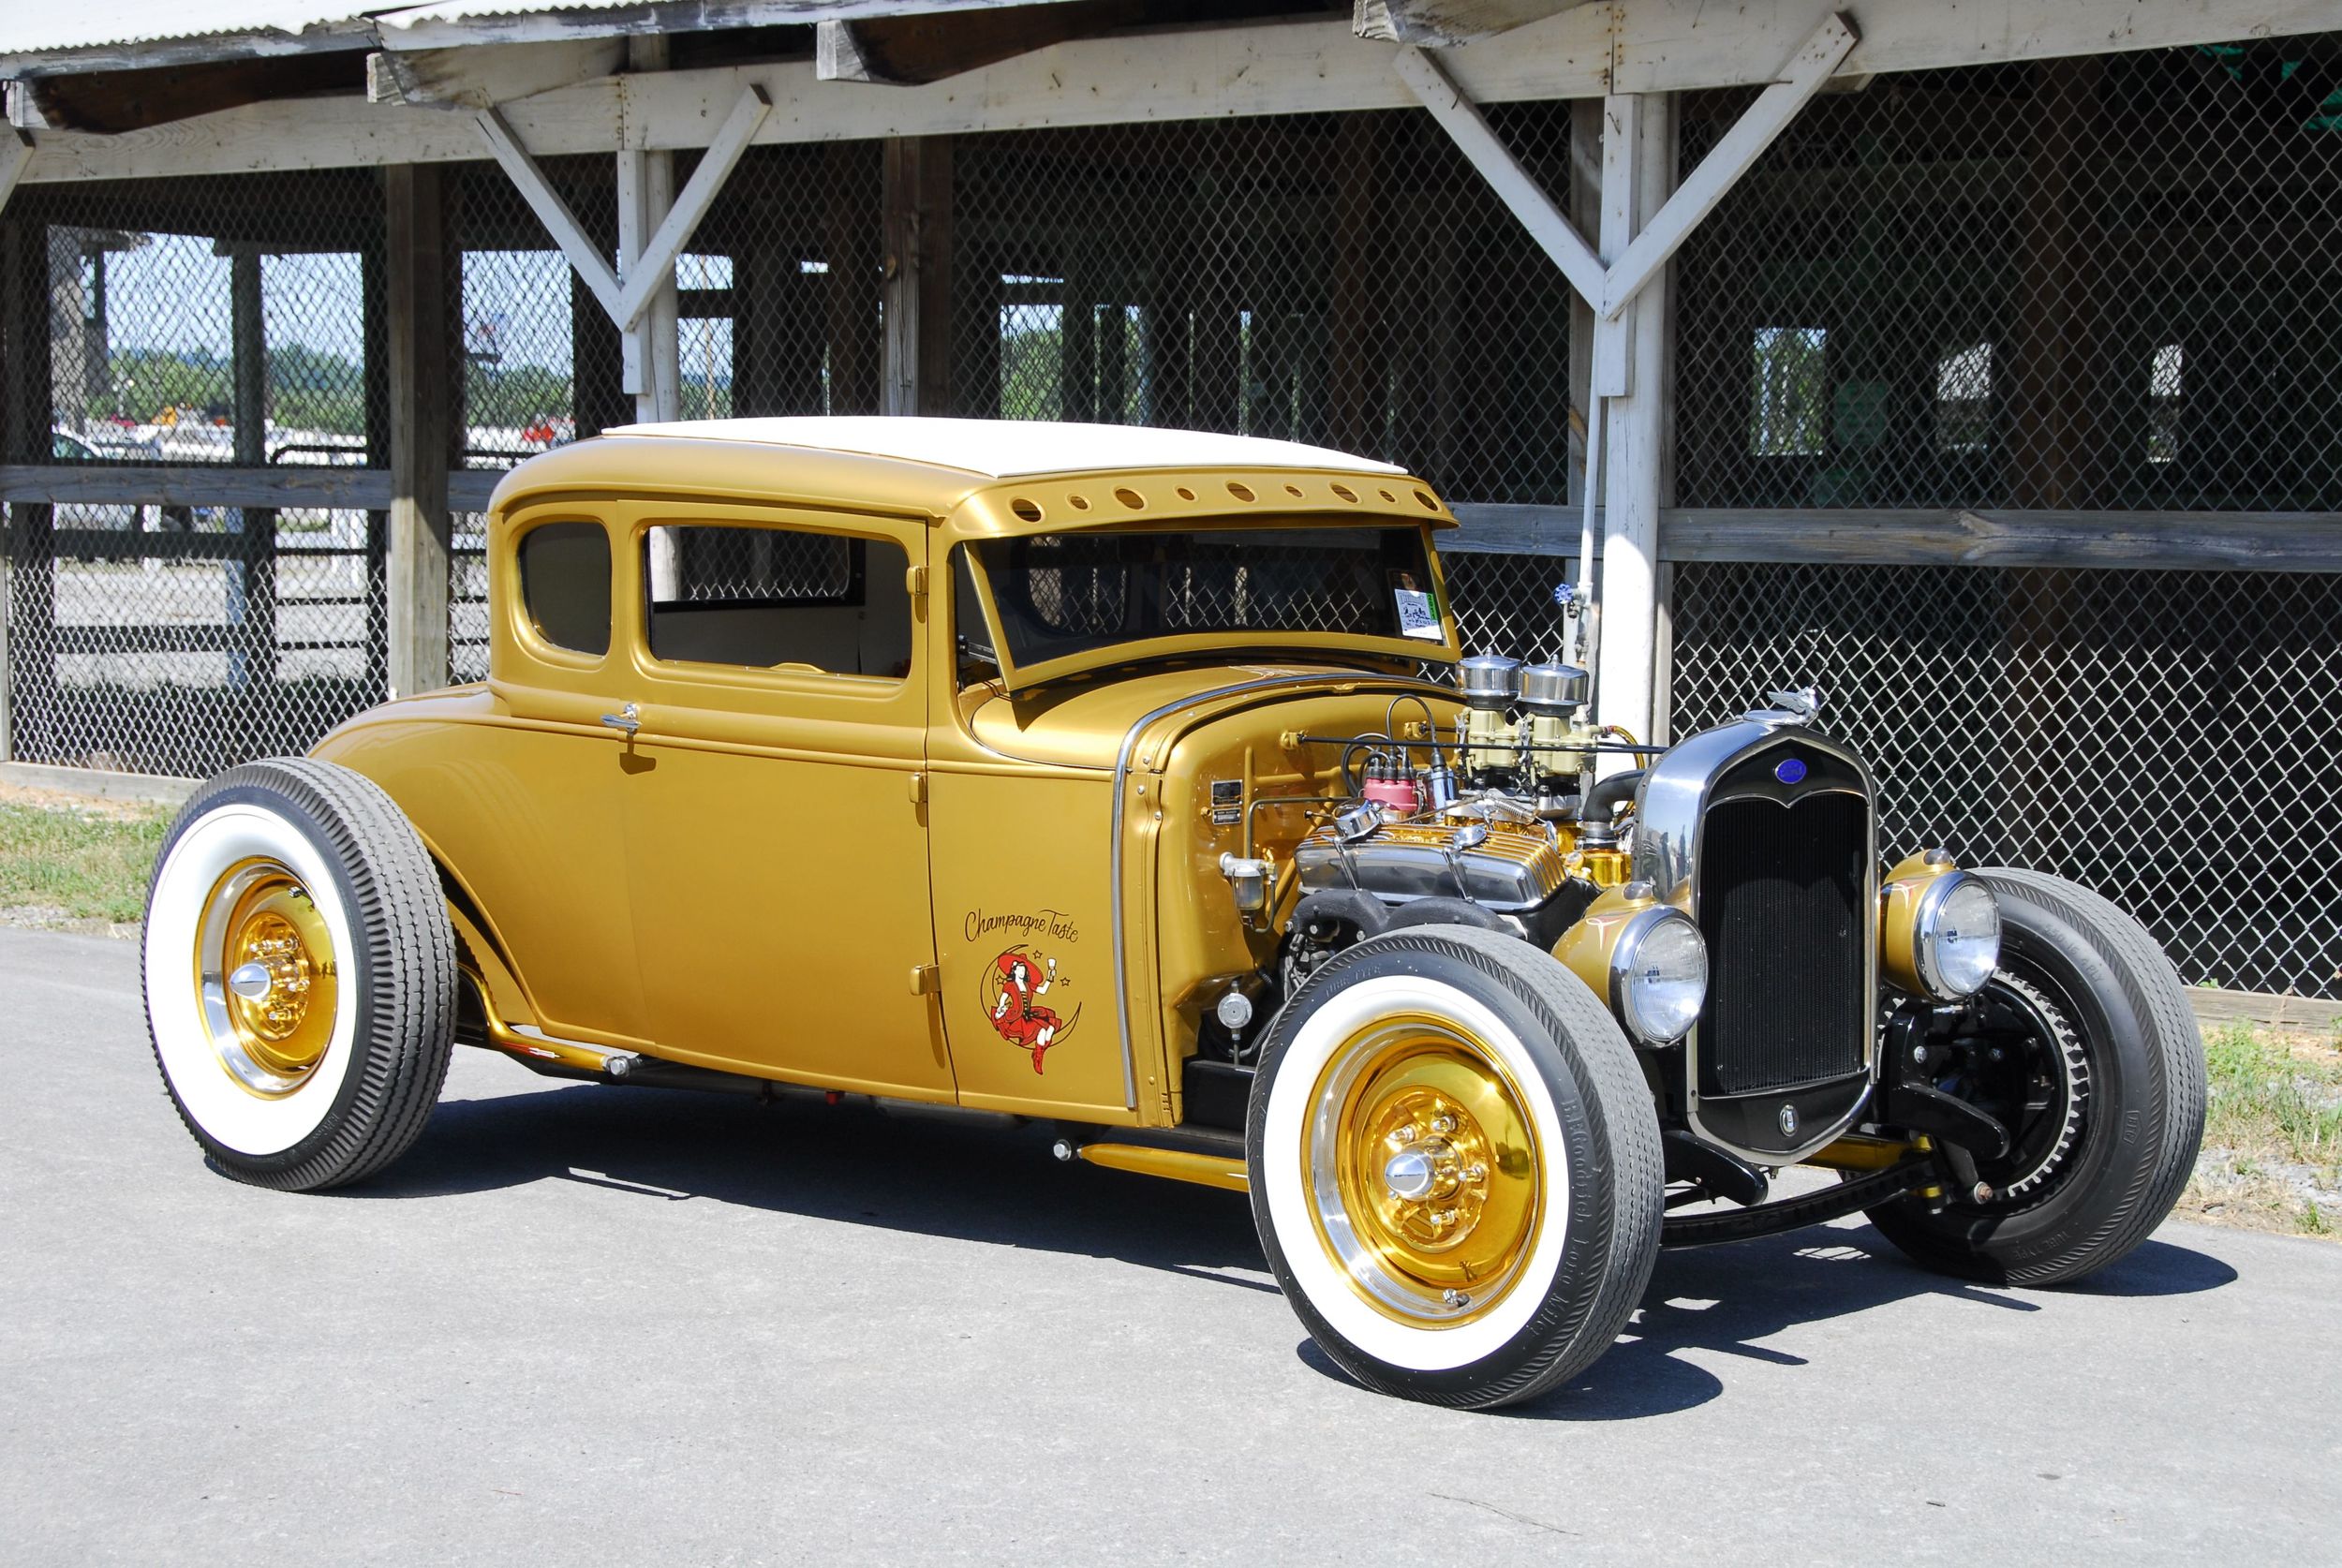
pixel 2166 738
pixel 2099 283
pixel 2094 282
pixel 1342 279
pixel 189 324
pixel 2091 286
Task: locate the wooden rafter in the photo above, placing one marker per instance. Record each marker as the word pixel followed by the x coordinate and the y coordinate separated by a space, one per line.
pixel 914 51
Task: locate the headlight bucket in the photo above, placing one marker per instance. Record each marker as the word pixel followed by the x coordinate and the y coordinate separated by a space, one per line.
pixel 1938 930
pixel 1644 958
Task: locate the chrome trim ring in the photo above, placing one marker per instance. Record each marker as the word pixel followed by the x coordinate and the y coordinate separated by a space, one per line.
pixel 1924 918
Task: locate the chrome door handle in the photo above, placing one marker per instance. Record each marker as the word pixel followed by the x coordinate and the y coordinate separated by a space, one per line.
pixel 628 718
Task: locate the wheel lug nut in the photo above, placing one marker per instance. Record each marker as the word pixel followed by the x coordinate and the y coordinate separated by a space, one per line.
pixel 1405 1135
pixel 1456 1299
pixel 1442 1123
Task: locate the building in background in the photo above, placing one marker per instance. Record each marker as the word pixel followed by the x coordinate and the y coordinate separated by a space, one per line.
pixel 1994 385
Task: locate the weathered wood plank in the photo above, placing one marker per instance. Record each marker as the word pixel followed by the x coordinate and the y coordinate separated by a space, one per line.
pixel 2301 1014
pixel 422 427
pixel 1445 23
pixel 146 639
pixel 196 485
pixel 203 484
pixel 158 789
pixel 2174 540
pixel 122 544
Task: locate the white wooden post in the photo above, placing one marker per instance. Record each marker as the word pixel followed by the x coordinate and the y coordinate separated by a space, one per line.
pixel 650 352
pixel 1635 458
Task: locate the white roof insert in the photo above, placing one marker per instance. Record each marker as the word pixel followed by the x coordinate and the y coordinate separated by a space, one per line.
pixel 1011 449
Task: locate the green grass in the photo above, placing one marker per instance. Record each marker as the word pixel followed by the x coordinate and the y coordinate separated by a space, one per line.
pixel 2274 1113
pixel 2268 1097
pixel 84 864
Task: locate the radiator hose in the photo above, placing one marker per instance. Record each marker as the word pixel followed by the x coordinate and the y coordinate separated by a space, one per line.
pixel 1603 801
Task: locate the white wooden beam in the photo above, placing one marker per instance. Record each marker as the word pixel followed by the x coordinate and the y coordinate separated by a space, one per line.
pixel 1460 118
pixel 1635 460
pixel 1208 74
pixel 551 209
pixel 1445 23
pixel 646 273
pixel 487 74
pixel 1732 156
pixel 16 155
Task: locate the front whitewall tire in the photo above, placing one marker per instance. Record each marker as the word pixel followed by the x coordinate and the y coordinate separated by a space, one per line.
pixel 1336 1073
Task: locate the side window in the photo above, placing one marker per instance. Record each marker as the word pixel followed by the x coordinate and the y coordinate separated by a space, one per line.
pixel 565 584
pixel 777 598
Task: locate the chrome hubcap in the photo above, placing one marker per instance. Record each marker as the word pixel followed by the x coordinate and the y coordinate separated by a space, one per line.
pixel 252 981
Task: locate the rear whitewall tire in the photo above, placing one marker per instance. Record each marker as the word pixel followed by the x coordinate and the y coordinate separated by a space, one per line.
pixel 199 856
pixel 304 849
pixel 1566 1068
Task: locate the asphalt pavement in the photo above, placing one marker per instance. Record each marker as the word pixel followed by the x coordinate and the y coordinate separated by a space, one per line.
pixel 580 1324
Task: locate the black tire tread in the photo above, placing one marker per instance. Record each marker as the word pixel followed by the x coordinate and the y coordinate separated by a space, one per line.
pixel 2152 988
pixel 2171 1096
pixel 406 1029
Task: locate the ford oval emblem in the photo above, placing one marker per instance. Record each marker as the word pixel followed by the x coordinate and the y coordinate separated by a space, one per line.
pixel 1790 772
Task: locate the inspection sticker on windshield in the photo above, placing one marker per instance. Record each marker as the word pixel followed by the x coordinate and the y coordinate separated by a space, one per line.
pixel 1418 611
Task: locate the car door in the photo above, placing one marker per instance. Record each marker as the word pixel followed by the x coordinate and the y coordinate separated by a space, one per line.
pixel 776 829
pixel 521 798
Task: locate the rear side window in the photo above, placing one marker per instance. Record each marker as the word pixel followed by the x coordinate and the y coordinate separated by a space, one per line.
pixel 777 598
pixel 565 584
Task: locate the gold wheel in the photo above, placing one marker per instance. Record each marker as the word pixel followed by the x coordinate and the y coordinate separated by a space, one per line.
pixel 266 978
pixel 1425 1173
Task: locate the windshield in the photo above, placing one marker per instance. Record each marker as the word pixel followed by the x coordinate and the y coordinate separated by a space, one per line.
pixel 1061 594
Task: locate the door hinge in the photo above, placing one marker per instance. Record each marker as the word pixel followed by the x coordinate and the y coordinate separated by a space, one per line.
pixel 915 582
pixel 918 789
pixel 926 979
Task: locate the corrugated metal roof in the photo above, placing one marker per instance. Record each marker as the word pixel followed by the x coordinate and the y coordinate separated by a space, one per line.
pixel 38 29
pixel 128 32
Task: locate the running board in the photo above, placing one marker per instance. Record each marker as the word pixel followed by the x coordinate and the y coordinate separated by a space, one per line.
pixel 1205 1169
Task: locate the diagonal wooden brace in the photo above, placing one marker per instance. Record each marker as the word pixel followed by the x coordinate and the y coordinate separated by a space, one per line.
pixel 1610 288
pixel 623 301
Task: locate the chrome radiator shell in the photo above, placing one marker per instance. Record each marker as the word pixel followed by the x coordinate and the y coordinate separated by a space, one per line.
pixel 1768 757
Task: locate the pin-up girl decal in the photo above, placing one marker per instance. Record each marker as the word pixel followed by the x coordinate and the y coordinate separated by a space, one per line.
pixel 1018 978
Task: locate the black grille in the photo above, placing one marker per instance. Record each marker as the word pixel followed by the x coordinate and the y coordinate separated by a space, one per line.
pixel 1781 904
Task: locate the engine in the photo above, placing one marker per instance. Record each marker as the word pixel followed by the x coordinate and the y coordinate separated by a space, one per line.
pixel 1496 820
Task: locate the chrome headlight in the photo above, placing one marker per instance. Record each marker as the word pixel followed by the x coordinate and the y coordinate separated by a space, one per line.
pixel 1955 936
pixel 1659 976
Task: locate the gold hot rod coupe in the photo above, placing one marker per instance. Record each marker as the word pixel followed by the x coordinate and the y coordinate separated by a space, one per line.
pixel 1095 775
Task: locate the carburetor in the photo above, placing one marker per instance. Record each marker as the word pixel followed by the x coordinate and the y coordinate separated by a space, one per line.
pixel 1547 753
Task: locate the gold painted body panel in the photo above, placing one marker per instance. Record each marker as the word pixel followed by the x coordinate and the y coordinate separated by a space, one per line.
pixel 528 815
pixel 778 858
pixel 817 878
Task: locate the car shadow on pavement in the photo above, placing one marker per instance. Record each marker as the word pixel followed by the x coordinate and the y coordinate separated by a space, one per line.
pixel 993 1181
pixel 986 1180
pixel 1730 1300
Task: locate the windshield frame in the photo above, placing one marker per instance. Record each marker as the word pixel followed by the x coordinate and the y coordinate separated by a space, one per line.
pixel 1249 645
